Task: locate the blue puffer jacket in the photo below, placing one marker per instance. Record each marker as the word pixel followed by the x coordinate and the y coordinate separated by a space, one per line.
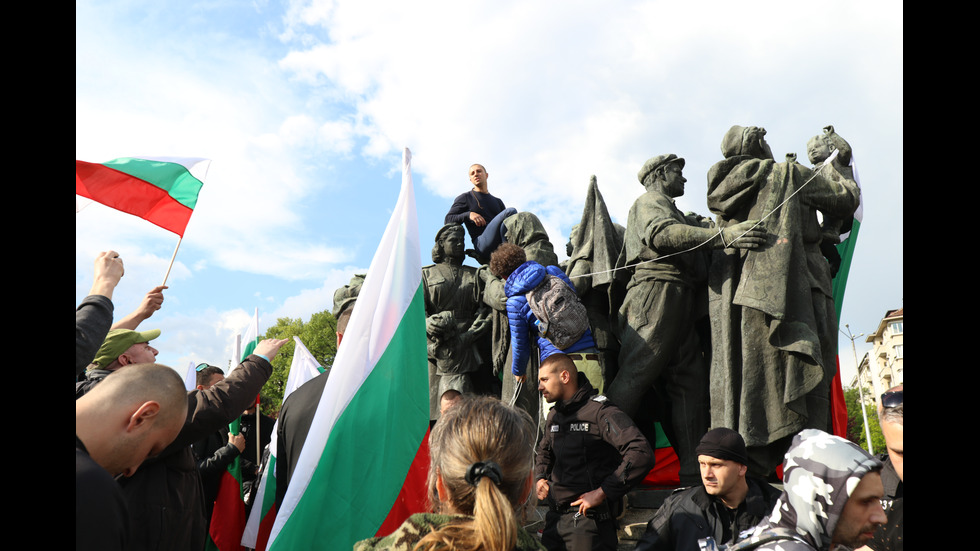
pixel 527 276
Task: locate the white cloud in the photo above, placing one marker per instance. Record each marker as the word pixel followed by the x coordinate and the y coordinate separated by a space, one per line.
pixel 544 94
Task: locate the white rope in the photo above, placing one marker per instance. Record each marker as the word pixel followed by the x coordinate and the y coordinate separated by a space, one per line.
pixel 712 238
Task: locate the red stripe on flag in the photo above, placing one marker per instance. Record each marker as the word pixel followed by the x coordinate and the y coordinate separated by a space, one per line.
pixel 131 195
pixel 228 519
pixel 666 469
pixel 414 495
pixel 265 528
pixel 838 408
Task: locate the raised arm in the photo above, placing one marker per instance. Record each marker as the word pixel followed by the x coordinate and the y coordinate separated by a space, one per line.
pixel 152 302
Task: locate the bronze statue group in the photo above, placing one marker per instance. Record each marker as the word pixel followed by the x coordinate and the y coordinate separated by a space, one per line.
pixel 694 322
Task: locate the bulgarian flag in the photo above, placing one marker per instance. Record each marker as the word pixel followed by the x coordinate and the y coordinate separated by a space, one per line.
pixel 250 336
pixel 161 190
pixel 372 420
pixel 228 519
pixel 666 469
pixel 256 536
pixel 838 410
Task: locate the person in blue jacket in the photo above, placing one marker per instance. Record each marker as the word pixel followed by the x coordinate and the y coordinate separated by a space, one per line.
pixel 509 262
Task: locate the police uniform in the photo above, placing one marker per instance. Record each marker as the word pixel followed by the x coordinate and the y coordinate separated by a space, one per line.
pixel 588 443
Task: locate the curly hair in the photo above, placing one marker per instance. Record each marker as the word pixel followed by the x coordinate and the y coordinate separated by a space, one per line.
pixel 507 258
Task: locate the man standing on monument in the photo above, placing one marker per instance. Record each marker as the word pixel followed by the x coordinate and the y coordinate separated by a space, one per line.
pixel 482 213
pixel 664 299
pixel 773 322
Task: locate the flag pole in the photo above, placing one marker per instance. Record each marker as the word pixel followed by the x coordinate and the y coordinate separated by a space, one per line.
pixel 172 260
pixel 258 434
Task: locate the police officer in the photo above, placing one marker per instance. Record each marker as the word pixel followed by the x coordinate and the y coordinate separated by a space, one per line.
pixel 591 454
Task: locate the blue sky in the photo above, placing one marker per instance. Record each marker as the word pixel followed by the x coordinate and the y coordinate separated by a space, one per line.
pixel 305 106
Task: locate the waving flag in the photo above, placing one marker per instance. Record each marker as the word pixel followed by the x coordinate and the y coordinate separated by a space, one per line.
pixel 256 535
pixel 161 190
pixel 373 416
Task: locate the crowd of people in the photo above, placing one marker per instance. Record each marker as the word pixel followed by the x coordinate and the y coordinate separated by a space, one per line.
pixel 149 453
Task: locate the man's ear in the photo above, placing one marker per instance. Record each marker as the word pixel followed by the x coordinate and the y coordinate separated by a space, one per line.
pixel 565 376
pixel 144 416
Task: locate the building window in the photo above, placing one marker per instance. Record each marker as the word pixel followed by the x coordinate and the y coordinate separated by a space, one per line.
pixel 895 328
pixel 899 351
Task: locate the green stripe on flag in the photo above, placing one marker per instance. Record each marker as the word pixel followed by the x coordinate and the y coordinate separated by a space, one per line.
pixel 370 448
pixel 174 178
pixel 249 349
pixel 846 251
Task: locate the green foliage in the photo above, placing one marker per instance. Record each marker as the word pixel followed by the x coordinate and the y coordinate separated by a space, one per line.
pixel 855 421
pixel 319 335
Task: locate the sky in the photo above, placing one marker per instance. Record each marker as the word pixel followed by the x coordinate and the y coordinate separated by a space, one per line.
pixel 304 108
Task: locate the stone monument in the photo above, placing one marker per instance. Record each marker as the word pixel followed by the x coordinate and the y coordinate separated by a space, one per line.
pixel 668 252
pixel 773 325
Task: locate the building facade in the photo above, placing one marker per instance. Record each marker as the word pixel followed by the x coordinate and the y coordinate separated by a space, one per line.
pixel 882 368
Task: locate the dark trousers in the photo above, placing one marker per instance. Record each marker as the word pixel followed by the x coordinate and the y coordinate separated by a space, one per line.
pixel 564 532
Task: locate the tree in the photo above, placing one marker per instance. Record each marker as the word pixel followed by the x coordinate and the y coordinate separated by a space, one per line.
pixel 855 421
pixel 319 335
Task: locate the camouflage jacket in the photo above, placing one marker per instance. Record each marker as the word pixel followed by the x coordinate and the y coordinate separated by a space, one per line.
pixel 419 525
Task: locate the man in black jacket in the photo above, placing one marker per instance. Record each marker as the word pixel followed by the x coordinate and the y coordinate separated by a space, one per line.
pixel 135 415
pixel 165 497
pixel 724 506
pixel 215 452
pixel 591 454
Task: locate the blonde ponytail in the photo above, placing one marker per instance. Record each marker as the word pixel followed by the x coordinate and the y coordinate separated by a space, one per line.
pixel 484 451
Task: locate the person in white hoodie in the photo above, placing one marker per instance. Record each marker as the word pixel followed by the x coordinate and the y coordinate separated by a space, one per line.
pixel 831 497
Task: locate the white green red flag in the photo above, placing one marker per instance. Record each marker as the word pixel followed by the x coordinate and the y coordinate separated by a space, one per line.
pixel 250 336
pixel 373 416
pixel 845 248
pixel 190 379
pixel 256 536
pixel 161 190
pixel 228 519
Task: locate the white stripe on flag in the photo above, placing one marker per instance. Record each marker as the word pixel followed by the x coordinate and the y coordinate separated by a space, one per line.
pixel 303 368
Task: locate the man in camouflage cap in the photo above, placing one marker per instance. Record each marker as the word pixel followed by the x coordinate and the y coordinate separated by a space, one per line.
pixel 831 497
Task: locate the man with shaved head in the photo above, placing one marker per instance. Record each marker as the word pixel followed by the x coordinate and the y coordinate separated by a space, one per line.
pixel 590 456
pixel 165 498
pixel 133 415
pixel 481 213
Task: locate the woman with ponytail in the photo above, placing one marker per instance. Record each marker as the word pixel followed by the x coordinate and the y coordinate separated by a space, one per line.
pixel 480 472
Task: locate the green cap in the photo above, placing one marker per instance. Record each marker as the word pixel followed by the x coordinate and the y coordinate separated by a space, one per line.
pixel 119 341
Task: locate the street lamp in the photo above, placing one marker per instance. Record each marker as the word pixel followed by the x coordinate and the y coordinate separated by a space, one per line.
pixel 857 367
